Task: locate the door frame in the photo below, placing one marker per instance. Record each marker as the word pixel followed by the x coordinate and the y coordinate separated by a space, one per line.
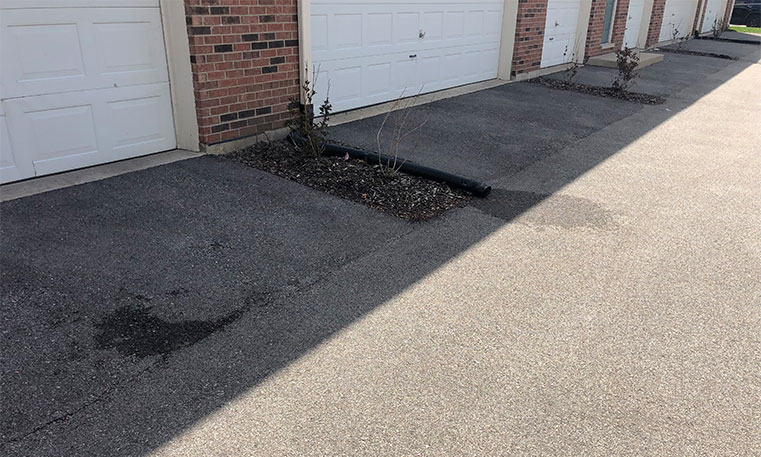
pixel 180 74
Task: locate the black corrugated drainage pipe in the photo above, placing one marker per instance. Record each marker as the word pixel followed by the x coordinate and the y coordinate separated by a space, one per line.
pixel 477 188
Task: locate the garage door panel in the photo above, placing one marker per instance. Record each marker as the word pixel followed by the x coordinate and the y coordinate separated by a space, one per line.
pixel 560 32
pixel 16 4
pixel 46 52
pixel 678 16
pixel 140 119
pixel 52 50
pixel 77 129
pixel 84 82
pixel 712 15
pixel 633 23
pixel 433 24
pixel 54 136
pixel 403 47
pixel 11 169
pixel 406 27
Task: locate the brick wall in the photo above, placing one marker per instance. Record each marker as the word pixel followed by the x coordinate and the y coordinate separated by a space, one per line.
pixel 244 59
pixel 656 19
pixel 529 35
pixel 596 21
pixel 699 15
pixel 727 11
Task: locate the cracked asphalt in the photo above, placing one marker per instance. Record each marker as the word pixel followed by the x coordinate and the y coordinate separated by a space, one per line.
pixel 604 300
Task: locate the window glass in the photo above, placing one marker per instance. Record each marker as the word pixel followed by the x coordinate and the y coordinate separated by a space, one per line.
pixel 608 22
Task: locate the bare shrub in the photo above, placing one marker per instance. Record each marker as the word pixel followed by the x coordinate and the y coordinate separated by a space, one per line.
pixel 626 61
pixel 397 119
pixel 569 74
pixel 719 27
pixel 314 134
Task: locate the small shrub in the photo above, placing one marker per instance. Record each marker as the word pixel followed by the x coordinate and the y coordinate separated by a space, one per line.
pixel 569 74
pixel 719 27
pixel 679 40
pixel 626 60
pixel 388 149
pixel 315 134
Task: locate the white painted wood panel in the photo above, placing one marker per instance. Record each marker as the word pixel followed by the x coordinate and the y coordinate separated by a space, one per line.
pixel 77 129
pixel 11 169
pixel 560 43
pixel 678 16
pixel 713 10
pixel 67 49
pixel 633 23
pixel 81 84
pixel 369 52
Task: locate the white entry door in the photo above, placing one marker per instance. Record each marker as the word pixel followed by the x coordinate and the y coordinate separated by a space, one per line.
pixel 678 16
pixel 560 32
pixel 371 51
pixel 84 82
pixel 712 16
pixel 633 23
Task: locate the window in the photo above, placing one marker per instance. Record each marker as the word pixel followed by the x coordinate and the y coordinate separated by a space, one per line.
pixel 607 25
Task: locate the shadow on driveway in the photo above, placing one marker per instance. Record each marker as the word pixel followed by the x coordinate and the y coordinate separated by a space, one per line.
pixel 136 306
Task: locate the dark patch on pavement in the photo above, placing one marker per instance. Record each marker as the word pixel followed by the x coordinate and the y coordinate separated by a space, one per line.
pixel 133 330
pixel 557 210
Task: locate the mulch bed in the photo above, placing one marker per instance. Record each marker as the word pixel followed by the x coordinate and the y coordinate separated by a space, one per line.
pixel 697 53
pixel 405 196
pixel 730 40
pixel 599 91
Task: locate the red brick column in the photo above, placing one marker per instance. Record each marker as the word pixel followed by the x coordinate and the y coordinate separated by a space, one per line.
pixel 656 19
pixel 244 59
pixel 596 21
pixel 728 12
pixel 700 13
pixel 529 35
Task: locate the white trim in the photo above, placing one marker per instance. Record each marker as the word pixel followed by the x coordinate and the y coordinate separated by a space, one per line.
pixel 582 28
pixel 180 74
pixel 507 41
pixel 305 43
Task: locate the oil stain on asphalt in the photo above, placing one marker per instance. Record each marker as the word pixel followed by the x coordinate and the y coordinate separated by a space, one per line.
pixel 133 331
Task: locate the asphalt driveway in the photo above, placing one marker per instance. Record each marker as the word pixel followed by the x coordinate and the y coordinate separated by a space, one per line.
pixel 604 300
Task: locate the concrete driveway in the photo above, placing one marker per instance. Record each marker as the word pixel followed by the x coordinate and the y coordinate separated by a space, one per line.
pixel 605 300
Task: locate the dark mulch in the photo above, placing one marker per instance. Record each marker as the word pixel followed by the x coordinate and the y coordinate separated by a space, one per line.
pixel 698 53
pixel 599 91
pixel 405 196
pixel 730 40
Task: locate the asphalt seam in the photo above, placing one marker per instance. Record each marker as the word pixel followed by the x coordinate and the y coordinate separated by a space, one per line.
pixel 98 398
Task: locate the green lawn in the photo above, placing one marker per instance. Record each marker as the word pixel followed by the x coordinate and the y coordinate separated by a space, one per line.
pixel 741 28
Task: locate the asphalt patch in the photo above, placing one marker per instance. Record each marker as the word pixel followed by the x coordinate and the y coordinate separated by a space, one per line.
pixel 133 331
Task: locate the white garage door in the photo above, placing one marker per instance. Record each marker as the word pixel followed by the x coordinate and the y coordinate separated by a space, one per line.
pixel 83 82
pixel 712 16
pixel 677 16
pixel 371 51
pixel 560 32
pixel 633 23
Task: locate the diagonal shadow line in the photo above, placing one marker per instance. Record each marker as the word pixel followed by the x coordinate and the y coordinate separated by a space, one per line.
pixel 287 317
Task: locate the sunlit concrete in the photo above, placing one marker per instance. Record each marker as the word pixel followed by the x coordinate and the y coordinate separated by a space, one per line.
pixel 620 316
